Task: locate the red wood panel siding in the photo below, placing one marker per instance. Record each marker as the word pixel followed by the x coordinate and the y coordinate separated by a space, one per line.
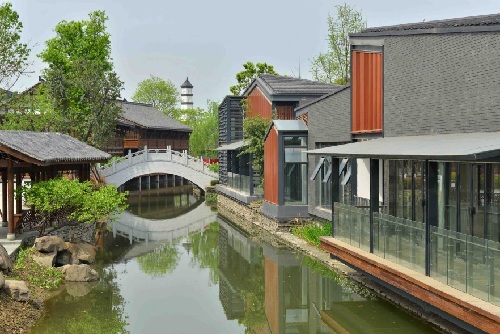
pixel 258 104
pixel 271 293
pixel 271 167
pixel 284 112
pixel 366 92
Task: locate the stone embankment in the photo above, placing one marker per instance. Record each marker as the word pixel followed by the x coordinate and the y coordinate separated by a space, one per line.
pixel 19 310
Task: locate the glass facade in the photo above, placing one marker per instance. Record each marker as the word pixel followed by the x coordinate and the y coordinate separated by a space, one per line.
pixel 295 169
pixel 239 172
pixel 464 238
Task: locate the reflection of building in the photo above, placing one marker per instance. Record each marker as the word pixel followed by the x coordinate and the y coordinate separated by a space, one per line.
pixel 240 261
pixel 286 294
pixel 274 290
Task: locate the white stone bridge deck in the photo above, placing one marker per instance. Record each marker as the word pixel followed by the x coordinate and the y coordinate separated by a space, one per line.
pixel 157 161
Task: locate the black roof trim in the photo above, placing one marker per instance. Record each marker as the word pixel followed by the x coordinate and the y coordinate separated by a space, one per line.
pixel 481 23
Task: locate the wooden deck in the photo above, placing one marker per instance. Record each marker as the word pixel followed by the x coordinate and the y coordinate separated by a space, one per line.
pixel 469 309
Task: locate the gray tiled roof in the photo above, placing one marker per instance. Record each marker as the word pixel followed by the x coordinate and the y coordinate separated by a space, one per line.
pixel 146 116
pixel 49 147
pixel 316 100
pixel 278 84
pixel 470 21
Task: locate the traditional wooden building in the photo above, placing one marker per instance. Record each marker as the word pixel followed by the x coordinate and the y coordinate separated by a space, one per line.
pixel 41 156
pixel 423 218
pixel 141 124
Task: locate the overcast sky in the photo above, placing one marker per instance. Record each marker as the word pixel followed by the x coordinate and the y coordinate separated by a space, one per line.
pixel 208 41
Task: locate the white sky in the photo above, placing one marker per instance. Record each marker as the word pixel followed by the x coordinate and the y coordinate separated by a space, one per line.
pixel 208 41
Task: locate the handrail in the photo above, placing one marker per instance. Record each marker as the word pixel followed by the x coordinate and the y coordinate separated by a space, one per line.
pixel 158 154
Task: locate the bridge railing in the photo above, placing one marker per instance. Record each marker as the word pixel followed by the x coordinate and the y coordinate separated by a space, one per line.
pixel 167 154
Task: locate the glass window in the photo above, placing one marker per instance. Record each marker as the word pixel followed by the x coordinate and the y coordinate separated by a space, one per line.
pixel 407 189
pixel 295 169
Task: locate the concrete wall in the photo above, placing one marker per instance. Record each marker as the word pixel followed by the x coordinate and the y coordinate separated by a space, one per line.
pixel 329 121
pixel 441 83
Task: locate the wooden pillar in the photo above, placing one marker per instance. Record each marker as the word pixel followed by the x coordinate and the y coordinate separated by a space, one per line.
pixel 10 201
pixel 374 194
pixel 4 197
pixel 19 201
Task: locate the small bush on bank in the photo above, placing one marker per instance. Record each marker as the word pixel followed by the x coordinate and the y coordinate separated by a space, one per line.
pixel 26 269
pixel 214 182
pixel 211 198
pixel 214 167
pixel 312 231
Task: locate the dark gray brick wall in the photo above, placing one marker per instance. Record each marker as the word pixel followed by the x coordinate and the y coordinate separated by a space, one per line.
pixel 329 121
pixel 441 83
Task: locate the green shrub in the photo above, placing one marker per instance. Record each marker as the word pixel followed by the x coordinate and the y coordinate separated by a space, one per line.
pixel 312 231
pixel 211 198
pixel 26 269
pixel 214 182
pixel 214 167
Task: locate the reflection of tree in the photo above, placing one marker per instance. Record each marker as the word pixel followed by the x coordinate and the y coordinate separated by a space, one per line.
pixel 255 313
pixel 242 272
pixel 161 261
pixel 205 247
pixel 345 282
pixel 100 311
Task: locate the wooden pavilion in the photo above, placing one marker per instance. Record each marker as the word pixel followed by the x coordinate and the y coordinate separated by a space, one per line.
pixel 42 156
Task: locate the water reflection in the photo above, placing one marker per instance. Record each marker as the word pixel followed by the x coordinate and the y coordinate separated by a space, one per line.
pixel 274 290
pixel 200 273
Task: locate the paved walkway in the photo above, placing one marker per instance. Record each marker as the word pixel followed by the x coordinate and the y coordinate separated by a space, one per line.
pixel 11 245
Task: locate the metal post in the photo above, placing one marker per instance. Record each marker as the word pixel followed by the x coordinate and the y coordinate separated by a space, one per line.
pixel 169 153
pixel 146 152
pixel 374 194
pixel 335 184
pixel 129 157
pixel 431 202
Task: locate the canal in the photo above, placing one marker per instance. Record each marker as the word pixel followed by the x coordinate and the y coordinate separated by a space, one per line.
pixel 170 264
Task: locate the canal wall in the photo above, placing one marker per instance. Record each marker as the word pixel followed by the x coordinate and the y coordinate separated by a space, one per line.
pixel 250 219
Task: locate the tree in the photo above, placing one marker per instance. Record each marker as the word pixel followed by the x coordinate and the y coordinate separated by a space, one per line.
pixel 80 80
pixel 77 201
pixel 255 129
pixel 250 72
pixel 205 124
pixel 163 95
pixel 13 53
pixel 334 65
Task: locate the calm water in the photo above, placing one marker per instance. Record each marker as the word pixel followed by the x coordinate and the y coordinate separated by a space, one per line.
pixel 197 273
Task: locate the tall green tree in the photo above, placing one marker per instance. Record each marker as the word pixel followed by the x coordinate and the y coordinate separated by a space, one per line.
pixel 205 125
pixel 162 94
pixel 80 80
pixel 13 53
pixel 333 66
pixel 250 72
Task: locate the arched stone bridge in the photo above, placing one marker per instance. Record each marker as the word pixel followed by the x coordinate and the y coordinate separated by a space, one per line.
pixel 157 161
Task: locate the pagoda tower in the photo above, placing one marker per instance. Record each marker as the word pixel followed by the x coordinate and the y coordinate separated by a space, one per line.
pixel 186 95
